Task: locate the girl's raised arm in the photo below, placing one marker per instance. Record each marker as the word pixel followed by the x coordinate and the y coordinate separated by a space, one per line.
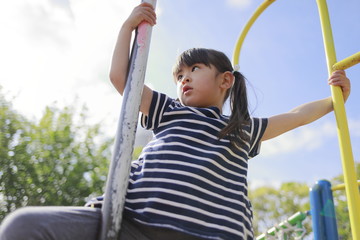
pixel 306 113
pixel 120 60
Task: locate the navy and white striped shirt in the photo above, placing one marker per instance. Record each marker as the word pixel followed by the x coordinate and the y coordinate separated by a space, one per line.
pixel 188 179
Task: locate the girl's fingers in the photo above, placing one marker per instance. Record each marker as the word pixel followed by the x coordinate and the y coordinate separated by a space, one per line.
pixel 143 12
pixel 339 72
pixel 150 17
pixel 146 12
pixel 337 77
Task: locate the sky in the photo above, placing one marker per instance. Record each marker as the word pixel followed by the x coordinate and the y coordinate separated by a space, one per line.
pixel 59 52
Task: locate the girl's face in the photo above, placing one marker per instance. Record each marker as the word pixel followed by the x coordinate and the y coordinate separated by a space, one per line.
pixel 200 86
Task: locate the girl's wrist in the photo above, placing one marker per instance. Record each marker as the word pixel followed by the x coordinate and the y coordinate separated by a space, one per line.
pixel 127 26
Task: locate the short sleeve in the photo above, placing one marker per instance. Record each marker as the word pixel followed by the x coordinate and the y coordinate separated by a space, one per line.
pixel 258 127
pixel 159 103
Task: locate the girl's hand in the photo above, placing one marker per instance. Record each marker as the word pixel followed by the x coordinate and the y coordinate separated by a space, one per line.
pixel 338 78
pixel 143 12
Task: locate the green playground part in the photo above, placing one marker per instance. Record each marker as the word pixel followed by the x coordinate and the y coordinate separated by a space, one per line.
pixel 295 222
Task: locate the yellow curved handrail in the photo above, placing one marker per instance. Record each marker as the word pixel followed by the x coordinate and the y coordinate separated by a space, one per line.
pixel 256 14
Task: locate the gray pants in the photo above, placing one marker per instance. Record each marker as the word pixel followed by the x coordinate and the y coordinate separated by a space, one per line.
pixel 75 223
pixel 60 223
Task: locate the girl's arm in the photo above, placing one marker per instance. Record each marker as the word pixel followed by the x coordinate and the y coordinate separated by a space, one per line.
pixel 306 113
pixel 120 60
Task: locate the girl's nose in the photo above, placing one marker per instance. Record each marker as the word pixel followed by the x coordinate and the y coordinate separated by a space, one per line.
pixel 185 79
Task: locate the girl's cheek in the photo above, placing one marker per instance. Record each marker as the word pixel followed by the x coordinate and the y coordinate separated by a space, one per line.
pixel 179 90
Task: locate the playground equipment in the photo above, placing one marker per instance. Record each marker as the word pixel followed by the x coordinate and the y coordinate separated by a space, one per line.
pixel 322 212
pixel 125 137
pixel 292 224
pixel 348 164
pixel 120 165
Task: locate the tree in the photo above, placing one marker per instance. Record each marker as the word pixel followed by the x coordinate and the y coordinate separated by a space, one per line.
pixel 14 167
pixel 274 205
pixel 59 160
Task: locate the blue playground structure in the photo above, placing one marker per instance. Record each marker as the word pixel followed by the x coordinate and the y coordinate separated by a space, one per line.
pixel 322 212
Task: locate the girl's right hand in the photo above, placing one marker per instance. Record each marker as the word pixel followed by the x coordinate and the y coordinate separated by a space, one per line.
pixel 338 78
pixel 143 12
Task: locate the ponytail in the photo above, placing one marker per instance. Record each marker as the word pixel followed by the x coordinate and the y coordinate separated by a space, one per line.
pixel 240 116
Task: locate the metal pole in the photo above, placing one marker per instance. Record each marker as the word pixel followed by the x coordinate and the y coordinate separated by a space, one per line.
pixel 347 62
pixel 328 210
pixel 323 211
pixel 315 210
pixel 347 159
pixel 117 181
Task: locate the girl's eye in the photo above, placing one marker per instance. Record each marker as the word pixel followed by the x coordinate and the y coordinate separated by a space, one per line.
pixel 179 77
pixel 194 68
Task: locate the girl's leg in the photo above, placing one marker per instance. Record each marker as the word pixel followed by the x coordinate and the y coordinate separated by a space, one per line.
pixel 51 223
pixel 60 223
pixel 130 231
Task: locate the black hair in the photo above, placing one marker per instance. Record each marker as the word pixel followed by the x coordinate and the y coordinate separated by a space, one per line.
pixel 240 116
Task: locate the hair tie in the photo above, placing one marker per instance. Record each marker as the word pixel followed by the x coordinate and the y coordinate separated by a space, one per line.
pixel 236 68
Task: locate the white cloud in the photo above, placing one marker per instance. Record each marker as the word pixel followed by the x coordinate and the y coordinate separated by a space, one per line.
pixel 305 139
pixel 256 183
pixel 239 3
pixel 354 127
pixel 56 50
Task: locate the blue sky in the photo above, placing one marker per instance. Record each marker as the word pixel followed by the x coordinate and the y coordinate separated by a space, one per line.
pixel 60 50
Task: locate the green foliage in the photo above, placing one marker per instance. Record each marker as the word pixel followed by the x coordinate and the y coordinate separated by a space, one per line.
pixel 59 160
pixel 137 152
pixel 274 205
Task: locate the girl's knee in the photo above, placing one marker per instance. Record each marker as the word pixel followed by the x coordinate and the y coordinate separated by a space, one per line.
pixel 21 224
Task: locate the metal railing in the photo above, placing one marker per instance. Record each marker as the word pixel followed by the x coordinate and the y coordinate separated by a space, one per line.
pixel 118 176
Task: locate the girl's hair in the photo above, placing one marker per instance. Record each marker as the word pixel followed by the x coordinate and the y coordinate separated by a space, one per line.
pixel 238 96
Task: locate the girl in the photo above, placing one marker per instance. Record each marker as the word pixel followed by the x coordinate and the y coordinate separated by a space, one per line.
pixel 191 177
pixel 190 181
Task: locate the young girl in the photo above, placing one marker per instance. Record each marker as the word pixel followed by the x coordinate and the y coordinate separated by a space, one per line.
pixel 190 181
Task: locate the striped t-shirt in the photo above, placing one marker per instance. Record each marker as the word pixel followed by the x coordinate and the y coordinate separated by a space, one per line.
pixel 187 179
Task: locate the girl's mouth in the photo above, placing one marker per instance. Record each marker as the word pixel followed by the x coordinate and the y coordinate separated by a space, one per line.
pixel 186 89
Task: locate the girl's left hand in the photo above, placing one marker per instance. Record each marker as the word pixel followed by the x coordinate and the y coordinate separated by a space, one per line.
pixel 338 78
pixel 143 12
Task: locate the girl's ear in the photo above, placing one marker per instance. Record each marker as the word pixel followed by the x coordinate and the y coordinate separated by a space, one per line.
pixel 228 80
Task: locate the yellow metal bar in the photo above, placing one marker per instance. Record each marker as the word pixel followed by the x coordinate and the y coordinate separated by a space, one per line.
pixel 341 186
pixel 347 62
pixel 348 164
pixel 246 29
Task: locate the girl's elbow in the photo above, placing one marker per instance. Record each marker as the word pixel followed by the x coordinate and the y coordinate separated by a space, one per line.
pixel 112 78
pixel 117 83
